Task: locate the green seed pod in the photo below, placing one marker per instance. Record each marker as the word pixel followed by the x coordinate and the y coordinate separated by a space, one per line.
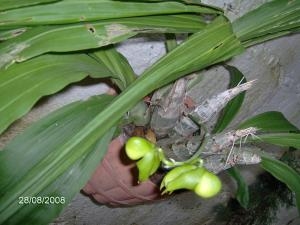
pixel 209 185
pixel 174 173
pixel 148 165
pixel 137 147
pixel 187 180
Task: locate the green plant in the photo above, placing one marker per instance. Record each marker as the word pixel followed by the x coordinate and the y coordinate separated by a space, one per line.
pixel 48 44
pixel 189 176
pixel 267 195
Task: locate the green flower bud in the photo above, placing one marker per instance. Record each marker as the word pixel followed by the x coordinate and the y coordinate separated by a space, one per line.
pixel 198 179
pixel 174 173
pixel 148 165
pixel 209 185
pixel 148 155
pixel 187 180
pixel 137 147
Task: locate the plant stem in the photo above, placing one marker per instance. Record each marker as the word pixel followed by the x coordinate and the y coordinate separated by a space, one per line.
pixel 169 163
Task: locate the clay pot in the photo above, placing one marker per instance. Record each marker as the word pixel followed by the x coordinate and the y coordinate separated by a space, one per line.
pixel 114 182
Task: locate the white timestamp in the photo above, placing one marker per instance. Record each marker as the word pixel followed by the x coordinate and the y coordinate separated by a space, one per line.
pixel 40 200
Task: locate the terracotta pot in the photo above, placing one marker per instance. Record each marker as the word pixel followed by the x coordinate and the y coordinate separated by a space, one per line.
pixel 114 182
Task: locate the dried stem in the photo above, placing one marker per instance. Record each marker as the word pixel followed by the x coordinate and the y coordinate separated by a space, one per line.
pixel 209 108
pixel 177 124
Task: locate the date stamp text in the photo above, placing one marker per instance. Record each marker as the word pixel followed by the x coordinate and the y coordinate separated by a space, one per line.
pixel 41 200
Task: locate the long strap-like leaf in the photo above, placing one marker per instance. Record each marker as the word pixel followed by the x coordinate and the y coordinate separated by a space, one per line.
pixel 21 85
pixel 117 64
pixel 280 139
pixel 278 129
pixel 34 165
pixel 66 38
pixel 72 11
pixel 271 121
pixel 284 173
pixel 242 193
pixel 11 4
pixel 232 108
pixel 271 20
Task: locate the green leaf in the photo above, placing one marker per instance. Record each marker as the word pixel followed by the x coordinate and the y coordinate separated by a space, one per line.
pixel 117 64
pixel 8 34
pixel 258 40
pixel 72 11
pixel 10 4
pixel 34 164
pixel 269 121
pixel 170 42
pixel 190 2
pixel 268 21
pixel 22 85
pixel 220 45
pixel 242 194
pixel 232 108
pixel 280 139
pixel 285 174
pixel 66 38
